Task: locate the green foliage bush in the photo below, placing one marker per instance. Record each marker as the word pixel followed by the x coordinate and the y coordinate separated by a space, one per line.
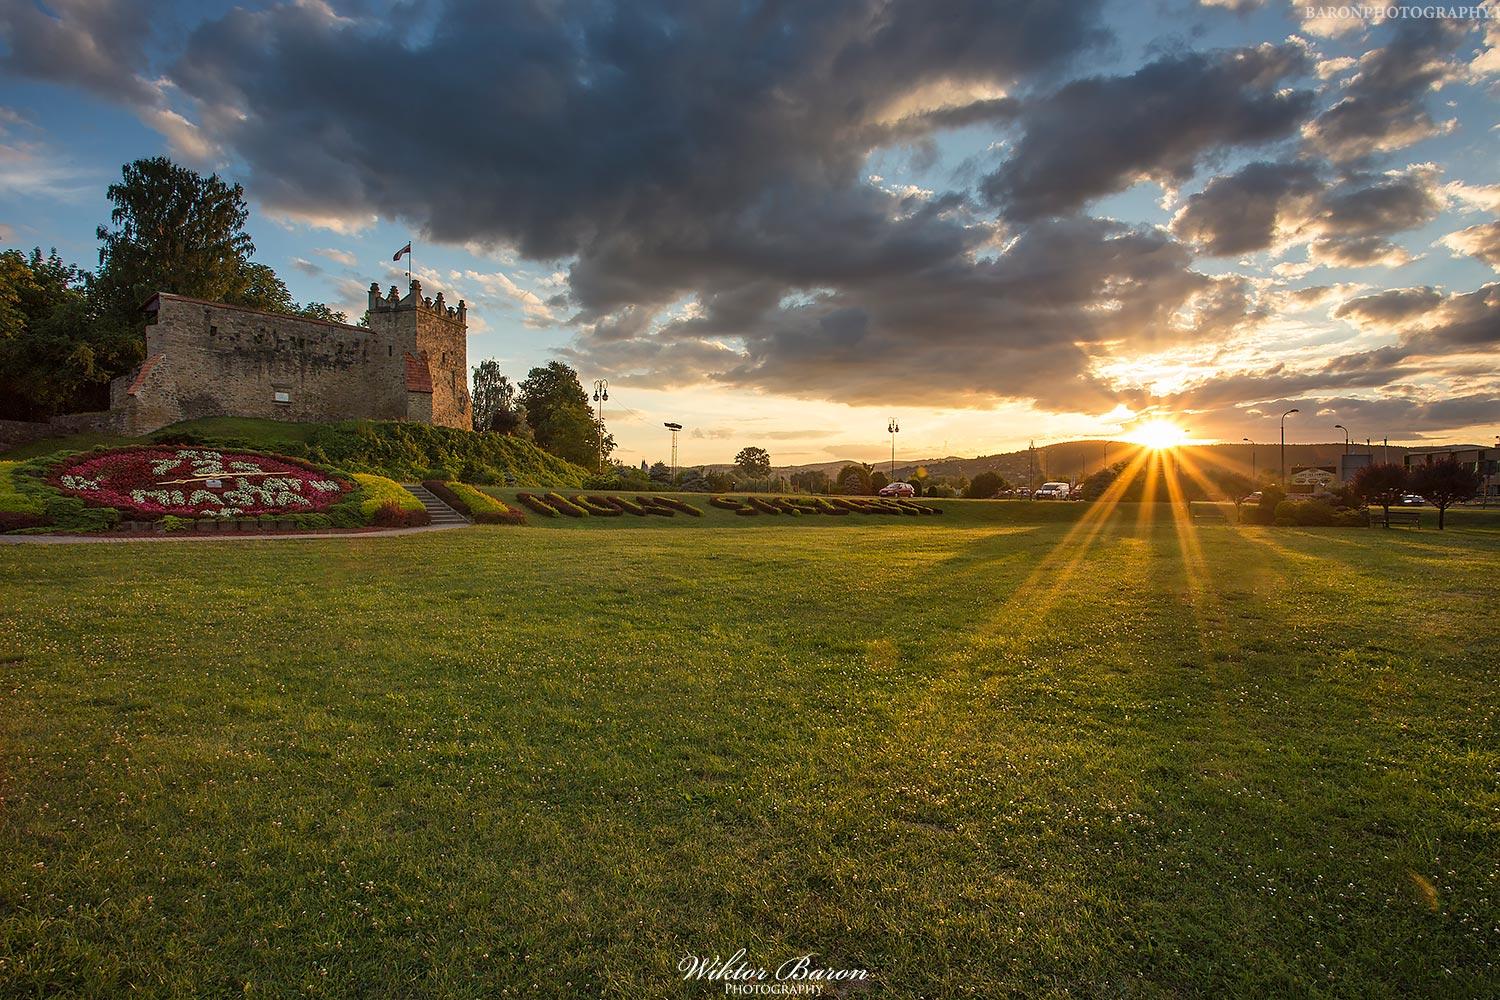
pixel 377 493
pixel 537 504
pixel 628 506
pixel 565 506
pixel 598 506
pixel 727 503
pixel 481 508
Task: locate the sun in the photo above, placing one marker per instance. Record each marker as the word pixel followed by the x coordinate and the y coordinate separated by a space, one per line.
pixel 1158 434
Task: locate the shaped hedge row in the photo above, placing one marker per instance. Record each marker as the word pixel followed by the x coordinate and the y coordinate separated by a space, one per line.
pixel 537 504
pixel 597 506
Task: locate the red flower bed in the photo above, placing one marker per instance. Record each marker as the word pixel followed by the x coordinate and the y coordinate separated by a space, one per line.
pixel 197 482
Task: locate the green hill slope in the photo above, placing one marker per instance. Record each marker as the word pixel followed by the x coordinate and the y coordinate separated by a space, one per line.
pixel 399 450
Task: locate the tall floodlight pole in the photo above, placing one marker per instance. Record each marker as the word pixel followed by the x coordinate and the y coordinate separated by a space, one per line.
pixel 1252 460
pixel 601 395
pixel 674 428
pixel 893 429
pixel 1288 413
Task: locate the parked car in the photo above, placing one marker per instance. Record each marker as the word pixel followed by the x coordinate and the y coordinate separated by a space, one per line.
pixel 898 490
pixel 1252 497
pixel 1053 491
pixel 1411 500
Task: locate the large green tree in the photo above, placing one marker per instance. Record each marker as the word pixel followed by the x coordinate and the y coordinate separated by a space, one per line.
pixel 561 421
pixel 1446 483
pixel 753 461
pixel 496 403
pixel 48 360
pixel 1382 485
pixel 174 230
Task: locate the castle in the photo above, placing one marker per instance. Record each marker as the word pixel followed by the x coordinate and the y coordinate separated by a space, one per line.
pixel 208 359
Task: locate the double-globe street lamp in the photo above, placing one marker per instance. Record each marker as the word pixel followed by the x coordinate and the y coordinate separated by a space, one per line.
pixel 601 395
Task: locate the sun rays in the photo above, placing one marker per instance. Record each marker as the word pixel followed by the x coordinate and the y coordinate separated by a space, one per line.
pixel 1160 479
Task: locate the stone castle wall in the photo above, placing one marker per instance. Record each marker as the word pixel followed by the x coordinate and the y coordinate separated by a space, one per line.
pixel 208 359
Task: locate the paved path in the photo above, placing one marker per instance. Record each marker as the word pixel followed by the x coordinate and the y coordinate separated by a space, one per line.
pixel 189 536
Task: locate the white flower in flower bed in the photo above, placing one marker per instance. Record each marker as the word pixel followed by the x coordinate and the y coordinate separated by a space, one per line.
pixel 80 483
pixel 324 485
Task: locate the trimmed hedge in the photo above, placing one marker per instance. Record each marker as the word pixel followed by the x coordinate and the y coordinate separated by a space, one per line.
pixel 682 507
pixel 385 503
pixel 537 504
pixel 598 506
pixel 565 506
pixel 481 508
pixel 628 506
pixel 727 503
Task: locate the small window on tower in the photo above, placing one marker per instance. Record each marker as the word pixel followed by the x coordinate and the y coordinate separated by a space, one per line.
pixel 282 396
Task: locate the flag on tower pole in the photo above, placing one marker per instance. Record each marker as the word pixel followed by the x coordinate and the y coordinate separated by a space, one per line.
pixel 405 252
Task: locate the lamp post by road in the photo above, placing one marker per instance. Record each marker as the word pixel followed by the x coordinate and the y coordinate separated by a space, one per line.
pixel 1253 480
pixel 1288 413
pixel 601 395
pixel 674 428
pixel 893 429
pixel 1346 436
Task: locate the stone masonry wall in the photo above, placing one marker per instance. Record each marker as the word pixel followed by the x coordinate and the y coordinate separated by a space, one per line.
pixel 219 360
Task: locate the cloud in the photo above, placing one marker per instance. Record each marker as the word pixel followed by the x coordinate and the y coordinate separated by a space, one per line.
pixel 1384 106
pixel 1100 135
pixel 1279 205
pixel 99 45
pixel 1429 322
pixel 1261 204
pixel 343 257
pixel 1482 241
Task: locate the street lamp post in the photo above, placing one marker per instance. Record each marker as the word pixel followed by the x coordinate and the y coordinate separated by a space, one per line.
pixel 893 429
pixel 674 428
pixel 601 394
pixel 1346 436
pixel 1288 413
pixel 1252 461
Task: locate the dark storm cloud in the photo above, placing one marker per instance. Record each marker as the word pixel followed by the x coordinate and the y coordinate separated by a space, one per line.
pixel 553 125
pixel 96 44
pixel 1021 323
pixel 1264 204
pixel 1242 212
pixel 1429 322
pixel 1385 105
pixel 1100 135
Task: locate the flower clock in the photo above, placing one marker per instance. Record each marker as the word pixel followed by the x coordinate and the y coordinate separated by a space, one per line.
pixel 197 482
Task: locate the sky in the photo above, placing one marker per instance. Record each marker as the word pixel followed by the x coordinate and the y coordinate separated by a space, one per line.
pixel 785 224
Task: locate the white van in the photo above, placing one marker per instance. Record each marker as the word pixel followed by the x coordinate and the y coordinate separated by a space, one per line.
pixel 1052 491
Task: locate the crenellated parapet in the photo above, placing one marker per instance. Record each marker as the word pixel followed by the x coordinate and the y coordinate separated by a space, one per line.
pixel 414 300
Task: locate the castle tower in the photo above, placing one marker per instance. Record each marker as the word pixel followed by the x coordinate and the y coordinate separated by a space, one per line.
pixel 431 338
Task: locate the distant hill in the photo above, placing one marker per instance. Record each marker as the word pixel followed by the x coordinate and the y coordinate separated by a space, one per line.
pixel 1073 460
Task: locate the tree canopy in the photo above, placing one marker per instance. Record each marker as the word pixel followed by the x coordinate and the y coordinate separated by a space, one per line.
pixel 753 461
pixel 1446 483
pixel 561 421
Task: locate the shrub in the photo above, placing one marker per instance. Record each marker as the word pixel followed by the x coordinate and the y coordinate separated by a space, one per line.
pixel 565 506
pixel 726 503
pixel 15 520
pixel 1313 514
pixel 764 506
pixel 628 506
pixel 1352 517
pixel 653 505
pixel 376 493
pixel 171 522
pixel 392 514
pixel 537 504
pixel 681 506
pixel 598 506
pixel 944 491
pixel 481 508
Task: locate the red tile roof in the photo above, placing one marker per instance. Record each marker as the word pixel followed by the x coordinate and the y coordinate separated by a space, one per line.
pixel 418 375
pixel 140 376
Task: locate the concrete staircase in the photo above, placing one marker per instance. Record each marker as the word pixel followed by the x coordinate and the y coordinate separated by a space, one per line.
pixel 443 516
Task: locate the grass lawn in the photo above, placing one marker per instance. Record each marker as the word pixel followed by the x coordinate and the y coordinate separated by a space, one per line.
pixel 971 754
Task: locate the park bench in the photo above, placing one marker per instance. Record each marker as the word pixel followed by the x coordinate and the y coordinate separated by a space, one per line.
pixel 1411 517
